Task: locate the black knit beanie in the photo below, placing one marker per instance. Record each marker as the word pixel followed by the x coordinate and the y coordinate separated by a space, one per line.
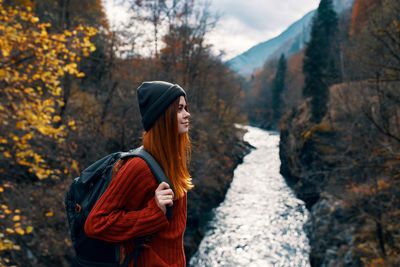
pixel 154 98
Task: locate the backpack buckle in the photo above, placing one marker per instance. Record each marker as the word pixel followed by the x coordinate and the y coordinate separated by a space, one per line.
pixel 78 208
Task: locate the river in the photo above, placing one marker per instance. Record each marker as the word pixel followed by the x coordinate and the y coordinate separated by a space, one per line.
pixel 260 222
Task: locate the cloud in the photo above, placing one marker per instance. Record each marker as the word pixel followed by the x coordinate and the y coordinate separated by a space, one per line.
pixel 244 24
pixel 230 39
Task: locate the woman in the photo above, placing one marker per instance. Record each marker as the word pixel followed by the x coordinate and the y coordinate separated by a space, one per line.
pixel 134 205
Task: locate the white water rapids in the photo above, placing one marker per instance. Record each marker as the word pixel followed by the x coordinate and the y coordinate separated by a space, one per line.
pixel 260 223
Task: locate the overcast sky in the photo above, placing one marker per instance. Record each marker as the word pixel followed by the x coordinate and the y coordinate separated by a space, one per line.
pixel 243 23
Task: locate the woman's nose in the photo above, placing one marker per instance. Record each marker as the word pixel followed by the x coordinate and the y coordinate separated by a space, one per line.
pixel 187 114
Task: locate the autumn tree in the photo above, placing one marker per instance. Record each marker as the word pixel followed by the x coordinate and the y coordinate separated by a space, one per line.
pixel 153 12
pixel 362 10
pixel 278 86
pixel 368 156
pixel 366 115
pixel 292 97
pixel 183 55
pixel 33 63
pixel 319 66
pixel 375 49
pixel 32 66
pixel 258 95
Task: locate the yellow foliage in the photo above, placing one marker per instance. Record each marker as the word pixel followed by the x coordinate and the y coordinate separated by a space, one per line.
pixel 307 134
pixel 56 118
pixel 29 229
pixel 6 244
pixel 49 214
pixel 8 232
pixel 20 231
pixel 322 127
pixel 363 189
pixel 75 166
pixel 379 262
pixel 31 88
pixel 383 185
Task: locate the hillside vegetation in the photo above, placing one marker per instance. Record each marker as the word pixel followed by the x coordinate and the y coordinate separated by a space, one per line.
pixel 69 97
pixel 340 132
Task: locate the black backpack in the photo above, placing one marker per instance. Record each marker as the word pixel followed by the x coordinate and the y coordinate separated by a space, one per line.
pixel 81 197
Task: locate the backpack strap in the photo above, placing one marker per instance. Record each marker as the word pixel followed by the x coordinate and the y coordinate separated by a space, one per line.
pixel 160 176
pixel 140 244
pixel 155 168
pixel 133 256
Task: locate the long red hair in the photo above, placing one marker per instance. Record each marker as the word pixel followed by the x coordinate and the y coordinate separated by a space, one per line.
pixel 171 149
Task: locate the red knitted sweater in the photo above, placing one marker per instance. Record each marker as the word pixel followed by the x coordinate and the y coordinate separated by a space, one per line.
pixel 128 210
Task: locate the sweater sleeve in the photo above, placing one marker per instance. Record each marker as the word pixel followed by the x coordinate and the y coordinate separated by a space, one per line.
pixel 111 220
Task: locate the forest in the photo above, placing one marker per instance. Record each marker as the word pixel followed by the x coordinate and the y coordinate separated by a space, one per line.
pixel 68 97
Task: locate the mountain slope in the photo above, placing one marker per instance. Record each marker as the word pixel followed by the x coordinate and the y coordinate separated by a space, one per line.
pixel 288 42
pixel 254 58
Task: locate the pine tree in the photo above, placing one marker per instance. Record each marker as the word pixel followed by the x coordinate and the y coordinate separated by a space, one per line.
pixel 319 66
pixel 278 85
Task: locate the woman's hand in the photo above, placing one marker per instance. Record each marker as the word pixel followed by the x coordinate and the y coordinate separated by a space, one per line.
pixel 164 196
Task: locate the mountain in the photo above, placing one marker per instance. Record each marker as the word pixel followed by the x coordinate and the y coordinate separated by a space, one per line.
pixel 288 42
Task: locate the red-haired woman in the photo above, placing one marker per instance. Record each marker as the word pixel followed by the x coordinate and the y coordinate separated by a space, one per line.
pixel 134 205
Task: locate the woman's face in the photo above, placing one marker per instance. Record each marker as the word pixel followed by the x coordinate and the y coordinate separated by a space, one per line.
pixel 183 116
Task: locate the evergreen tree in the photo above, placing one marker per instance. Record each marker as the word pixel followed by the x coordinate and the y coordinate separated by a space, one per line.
pixel 278 85
pixel 319 66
